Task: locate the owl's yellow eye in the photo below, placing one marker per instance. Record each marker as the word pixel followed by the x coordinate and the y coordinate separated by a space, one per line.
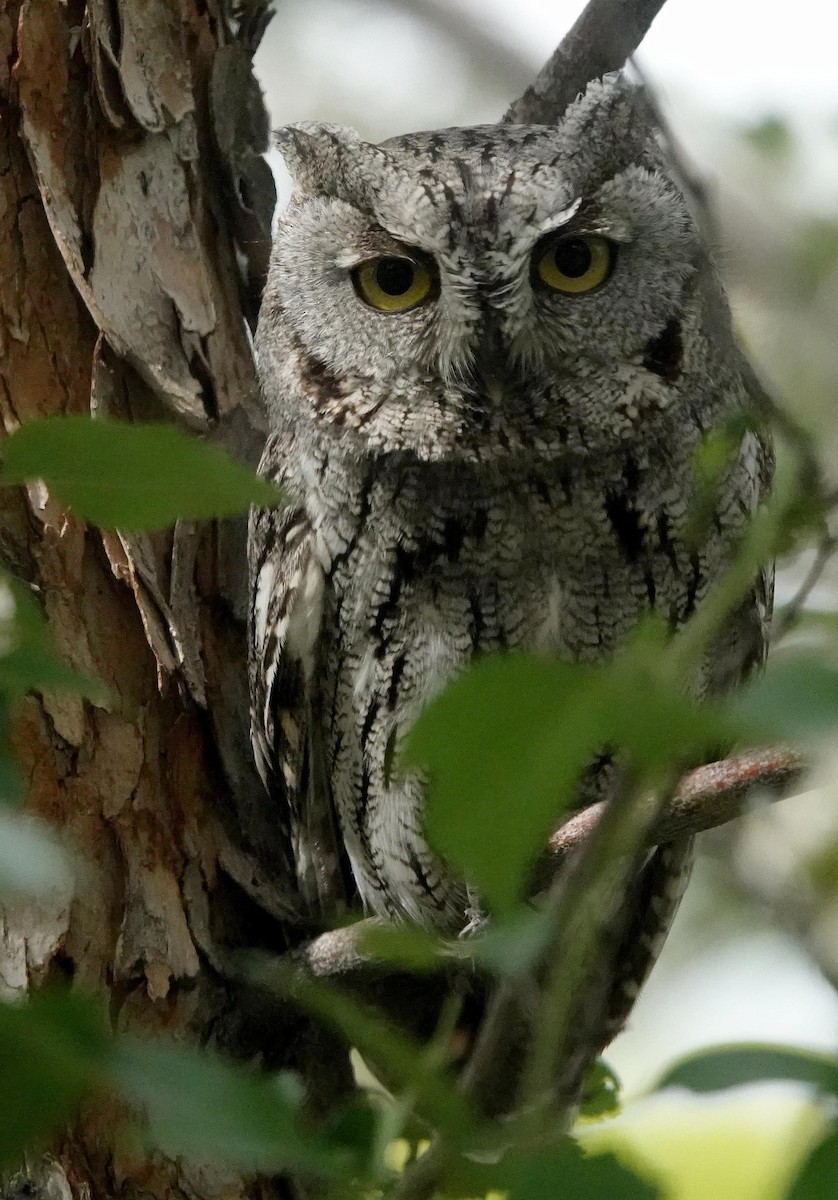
pixel 393 285
pixel 574 264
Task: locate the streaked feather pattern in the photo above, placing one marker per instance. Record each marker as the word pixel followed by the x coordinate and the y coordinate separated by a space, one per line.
pixel 495 468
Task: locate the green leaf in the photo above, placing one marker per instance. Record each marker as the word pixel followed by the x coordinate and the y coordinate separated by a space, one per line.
pixel 514 943
pixel 573 1174
pixel 211 1110
pixel 12 791
pixel 35 669
pixel 794 700
pixel 725 1067
pixel 652 719
pixel 52 1051
pixel 11 783
pixel 134 477
pixel 714 457
pixel 404 1062
pixel 28 661
pixel 820 870
pixel 506 743
pixel 405 946
pixel 818 1177
pixel 355 1123
pixel 600 1093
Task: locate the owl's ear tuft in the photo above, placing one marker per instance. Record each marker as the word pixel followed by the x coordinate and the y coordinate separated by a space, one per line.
pixel 614 114
pixel 325 159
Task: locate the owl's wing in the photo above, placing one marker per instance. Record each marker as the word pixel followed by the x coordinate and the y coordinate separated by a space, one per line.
pixel 635 936
pixel 743 645
pixel 284 637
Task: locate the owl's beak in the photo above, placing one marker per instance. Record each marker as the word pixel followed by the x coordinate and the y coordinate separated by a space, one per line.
pixel 491 362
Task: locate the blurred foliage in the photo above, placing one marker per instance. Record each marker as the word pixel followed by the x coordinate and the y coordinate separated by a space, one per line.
pixel 202 1107
pixel 132 476
pixel 770 136
pixel 815 253
pixel 722 1067
pixel 601 1095
pixel 484 791
pixel 817 1177
pixel 51 1050
pixel 742 1145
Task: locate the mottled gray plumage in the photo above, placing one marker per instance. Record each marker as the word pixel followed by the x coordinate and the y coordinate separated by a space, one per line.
pixel 499 466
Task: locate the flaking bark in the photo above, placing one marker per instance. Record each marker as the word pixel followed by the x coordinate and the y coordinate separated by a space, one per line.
pixel 121 206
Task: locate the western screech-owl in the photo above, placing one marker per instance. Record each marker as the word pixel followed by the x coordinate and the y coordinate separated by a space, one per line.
pixel 488 357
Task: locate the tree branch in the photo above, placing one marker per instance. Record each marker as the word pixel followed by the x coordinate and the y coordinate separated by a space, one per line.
pixel 707 797
pixel 602 39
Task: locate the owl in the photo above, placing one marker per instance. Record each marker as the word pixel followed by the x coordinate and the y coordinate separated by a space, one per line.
pixel 488 357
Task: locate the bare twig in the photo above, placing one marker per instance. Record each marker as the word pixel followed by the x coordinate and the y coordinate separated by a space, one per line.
pixel 338 951
pixel 709 796
pixel 603 38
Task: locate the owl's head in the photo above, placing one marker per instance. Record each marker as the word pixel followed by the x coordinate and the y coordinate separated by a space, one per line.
pixel 474 292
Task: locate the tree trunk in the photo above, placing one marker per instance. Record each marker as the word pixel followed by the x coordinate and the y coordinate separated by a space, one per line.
pixel 130 177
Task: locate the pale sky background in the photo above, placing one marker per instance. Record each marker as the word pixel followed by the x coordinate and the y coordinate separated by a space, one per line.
pixel 387 70
pixel 715 64
pixel 738 55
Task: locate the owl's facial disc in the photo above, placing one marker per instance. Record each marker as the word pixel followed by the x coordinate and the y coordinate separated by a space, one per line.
pixel 467 284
